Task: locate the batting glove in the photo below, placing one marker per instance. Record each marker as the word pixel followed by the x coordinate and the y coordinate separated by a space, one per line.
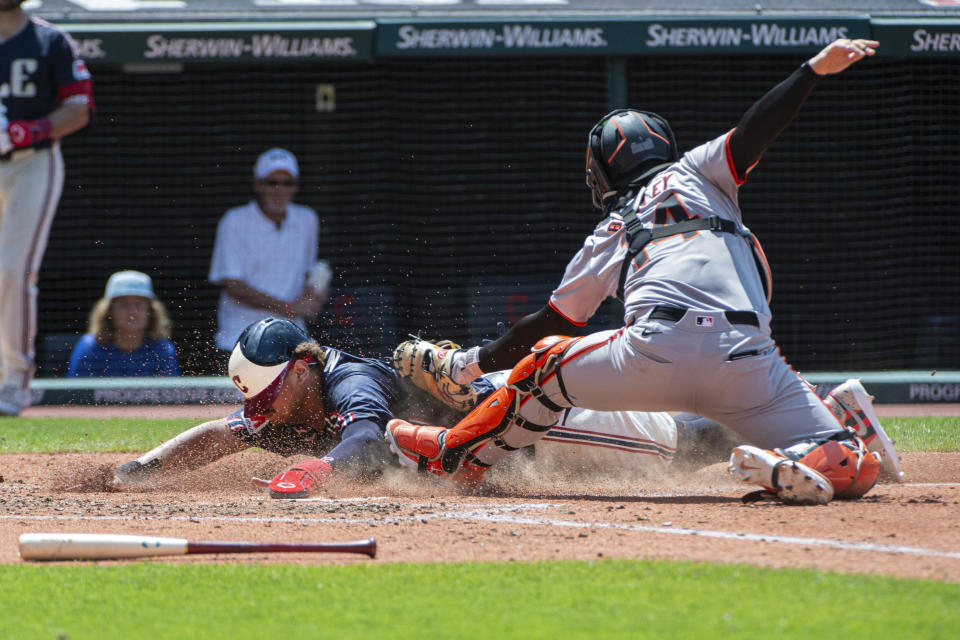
pixel 133 472
pixel 24 133
pixel 298 481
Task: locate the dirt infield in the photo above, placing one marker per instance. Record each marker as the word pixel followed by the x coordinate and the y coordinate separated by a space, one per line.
pixel 910 529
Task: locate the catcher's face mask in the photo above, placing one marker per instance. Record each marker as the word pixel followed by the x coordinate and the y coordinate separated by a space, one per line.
pixel 625 147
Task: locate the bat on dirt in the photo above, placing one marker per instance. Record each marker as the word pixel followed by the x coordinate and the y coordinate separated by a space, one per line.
pixel 101 546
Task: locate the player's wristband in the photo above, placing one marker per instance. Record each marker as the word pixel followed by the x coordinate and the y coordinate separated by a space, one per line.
pixel 25 133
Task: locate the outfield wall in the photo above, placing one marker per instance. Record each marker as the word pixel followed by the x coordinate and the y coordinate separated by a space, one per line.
pixel 445 158
pixel 891 387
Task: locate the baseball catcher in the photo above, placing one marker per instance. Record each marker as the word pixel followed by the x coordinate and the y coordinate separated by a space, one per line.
pixel 672 245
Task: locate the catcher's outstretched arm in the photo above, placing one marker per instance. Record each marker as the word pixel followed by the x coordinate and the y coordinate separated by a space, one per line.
pixel 770 115
pixel 511 347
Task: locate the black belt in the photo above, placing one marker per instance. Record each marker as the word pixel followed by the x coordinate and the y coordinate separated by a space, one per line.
pixel 675 314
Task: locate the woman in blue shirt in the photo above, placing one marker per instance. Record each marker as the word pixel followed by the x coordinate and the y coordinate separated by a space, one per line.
pixel 129 333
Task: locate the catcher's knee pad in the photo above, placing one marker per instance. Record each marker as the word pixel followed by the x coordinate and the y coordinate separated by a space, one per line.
pixel 850 467
pixel 530 374
pixel 491 417
pixel 502 410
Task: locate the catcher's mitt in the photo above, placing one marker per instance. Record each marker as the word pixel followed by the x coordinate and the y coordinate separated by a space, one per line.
pixel 428 366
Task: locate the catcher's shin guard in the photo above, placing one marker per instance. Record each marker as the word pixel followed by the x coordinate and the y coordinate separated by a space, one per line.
pixel 502 423
pixel 491 417
pixel 530 374
pixel 850 467
pixel 421 447
pixel 506 417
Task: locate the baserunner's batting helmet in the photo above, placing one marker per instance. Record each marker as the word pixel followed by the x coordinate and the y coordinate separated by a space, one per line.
pixel 627 147
pixel 260 361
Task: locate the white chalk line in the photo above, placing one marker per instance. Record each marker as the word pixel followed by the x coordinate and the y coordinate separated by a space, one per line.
pixel 931 484
pixel 501 515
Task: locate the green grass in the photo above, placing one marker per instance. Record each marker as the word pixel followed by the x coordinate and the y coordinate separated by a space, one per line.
pixel 80 435
pixel 556 600
pixel 86 435
pixel 606 599
pixel 924 434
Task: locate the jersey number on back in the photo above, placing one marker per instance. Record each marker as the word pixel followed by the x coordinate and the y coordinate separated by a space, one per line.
pixel 671 211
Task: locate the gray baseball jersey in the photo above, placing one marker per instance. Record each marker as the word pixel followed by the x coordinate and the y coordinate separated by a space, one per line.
pixel 671 271
pixel 698 358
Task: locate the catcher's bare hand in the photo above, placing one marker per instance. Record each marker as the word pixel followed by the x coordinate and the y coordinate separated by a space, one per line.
pixel 840 54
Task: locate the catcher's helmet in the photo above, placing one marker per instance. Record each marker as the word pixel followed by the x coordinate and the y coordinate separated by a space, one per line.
pixel 627 147
pixel 260 361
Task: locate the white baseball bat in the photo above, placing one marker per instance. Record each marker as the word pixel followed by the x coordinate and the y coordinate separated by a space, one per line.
pixel 94 546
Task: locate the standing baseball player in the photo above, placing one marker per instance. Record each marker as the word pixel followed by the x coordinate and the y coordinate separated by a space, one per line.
pixel 695 287
pixel 45 94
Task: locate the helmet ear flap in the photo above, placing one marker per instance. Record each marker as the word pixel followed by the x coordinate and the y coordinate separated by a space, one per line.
pixel 597 178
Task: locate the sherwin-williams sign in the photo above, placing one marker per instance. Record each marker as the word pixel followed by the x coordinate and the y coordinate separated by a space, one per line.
pixel 225 42
pixel 613 37
pixel 939 38
pixel 312 42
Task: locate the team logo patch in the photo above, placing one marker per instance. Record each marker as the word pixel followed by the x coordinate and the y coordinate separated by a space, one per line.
pixel 80 70
pixel 704 321
pixel 614 226
pixel 239 384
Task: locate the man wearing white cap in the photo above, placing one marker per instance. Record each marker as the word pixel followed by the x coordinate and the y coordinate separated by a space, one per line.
pixel 265 252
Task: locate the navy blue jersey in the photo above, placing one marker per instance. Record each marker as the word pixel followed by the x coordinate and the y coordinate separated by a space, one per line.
pixel 355 390
pixel 39 69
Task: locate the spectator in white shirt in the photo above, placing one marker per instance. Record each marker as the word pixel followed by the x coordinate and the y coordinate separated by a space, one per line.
pixel 265 251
